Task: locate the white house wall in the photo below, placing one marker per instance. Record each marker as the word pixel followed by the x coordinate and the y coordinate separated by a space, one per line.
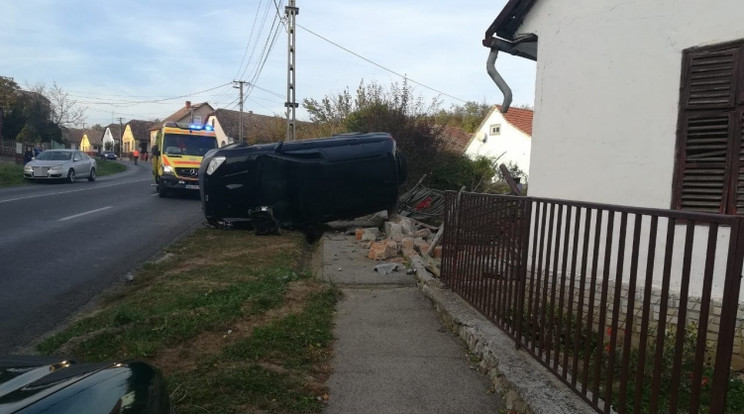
pixel 606 101
pixel 511 142
pixel 607 93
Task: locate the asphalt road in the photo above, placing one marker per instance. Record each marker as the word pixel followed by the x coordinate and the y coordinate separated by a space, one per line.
pixel 62 244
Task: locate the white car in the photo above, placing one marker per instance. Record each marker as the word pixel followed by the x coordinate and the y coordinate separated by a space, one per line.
pixel 62 164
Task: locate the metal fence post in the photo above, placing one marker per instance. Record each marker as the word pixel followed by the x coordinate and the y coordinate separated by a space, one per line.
pixel 523 259
pixel 727 327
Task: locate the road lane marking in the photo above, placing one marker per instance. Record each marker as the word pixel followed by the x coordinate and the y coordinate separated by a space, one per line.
pixel 86 213
pixel 71 191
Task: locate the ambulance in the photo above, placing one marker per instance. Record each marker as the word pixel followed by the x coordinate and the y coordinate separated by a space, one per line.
pixel 177 154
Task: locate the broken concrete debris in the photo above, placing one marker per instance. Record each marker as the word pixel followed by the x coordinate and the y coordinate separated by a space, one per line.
pixel 386 268
pixel 402 236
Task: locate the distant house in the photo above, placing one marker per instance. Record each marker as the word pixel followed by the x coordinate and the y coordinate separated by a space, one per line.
pixel 508 136
pixel 189 114
pixel 92 140
pixel 111 136
pixel 136 135
pixel 256 128
pixel 71 138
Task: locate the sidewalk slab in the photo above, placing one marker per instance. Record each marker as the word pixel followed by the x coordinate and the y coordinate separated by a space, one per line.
pixel 392 354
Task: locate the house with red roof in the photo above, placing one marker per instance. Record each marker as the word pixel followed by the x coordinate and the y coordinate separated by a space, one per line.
pixel 506 136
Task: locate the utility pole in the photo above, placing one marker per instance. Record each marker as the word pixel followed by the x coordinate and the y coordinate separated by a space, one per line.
pixel 121 137
pixel 240 127
pixel 291 103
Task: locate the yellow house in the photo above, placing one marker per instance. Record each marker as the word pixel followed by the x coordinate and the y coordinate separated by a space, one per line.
pixel 91 141
pixel 136 136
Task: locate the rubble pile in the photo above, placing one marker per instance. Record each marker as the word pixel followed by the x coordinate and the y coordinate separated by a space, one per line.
pixel 402 238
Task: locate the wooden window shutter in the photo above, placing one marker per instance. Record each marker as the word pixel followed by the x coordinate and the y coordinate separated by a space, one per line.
pixel 709 151
pixel 704 166
pixel 711 79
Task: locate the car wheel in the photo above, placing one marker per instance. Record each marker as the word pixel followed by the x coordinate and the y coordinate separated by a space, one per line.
pixel 162 191
pixel 71 176
pixel 92 176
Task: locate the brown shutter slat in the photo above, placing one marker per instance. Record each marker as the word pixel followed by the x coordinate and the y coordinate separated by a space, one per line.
pixel 704 173
pixel 712 78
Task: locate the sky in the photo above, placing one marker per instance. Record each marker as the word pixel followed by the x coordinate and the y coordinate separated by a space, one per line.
pixel 143 59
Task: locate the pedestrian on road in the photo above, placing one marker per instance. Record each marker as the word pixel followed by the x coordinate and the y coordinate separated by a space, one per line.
pixel 135 155
pixel 28 155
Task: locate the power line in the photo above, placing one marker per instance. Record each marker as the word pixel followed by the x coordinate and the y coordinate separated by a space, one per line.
pixel 250 38
pixel 377 64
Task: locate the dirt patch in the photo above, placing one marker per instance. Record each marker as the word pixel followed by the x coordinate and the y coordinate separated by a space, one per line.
pixel 185 356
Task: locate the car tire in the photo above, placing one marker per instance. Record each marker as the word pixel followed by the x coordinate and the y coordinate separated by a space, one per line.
pixel 162 191
pixel 71 176
pixel 92 175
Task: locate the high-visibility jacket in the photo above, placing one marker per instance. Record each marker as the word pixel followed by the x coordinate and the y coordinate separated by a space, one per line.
pixel 135 154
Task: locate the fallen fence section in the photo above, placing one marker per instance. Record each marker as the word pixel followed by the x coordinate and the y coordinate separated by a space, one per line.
pixel 634 309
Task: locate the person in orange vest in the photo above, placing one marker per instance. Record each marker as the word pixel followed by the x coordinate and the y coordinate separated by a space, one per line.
pixel 135 155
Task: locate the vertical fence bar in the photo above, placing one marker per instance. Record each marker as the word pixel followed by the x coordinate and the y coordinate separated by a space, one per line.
pixel 727 326
pixel 550 320
pixel 561 296
pixel 682 318
pixel 603 307
pixel 578 338
pixel 535 305
pixel 630 313
pixel 522 282
pixel 663 306
pixel 641 366
pixel 571 293
pixel 615 311
pixel 702 331
pixel 542 306
pixel 591 305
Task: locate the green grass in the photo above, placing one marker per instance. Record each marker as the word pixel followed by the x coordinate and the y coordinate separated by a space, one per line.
pixel 11 174
pixel 235 321
pixel 107 167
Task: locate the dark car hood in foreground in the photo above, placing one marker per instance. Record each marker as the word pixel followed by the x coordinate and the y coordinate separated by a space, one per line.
pixel 34 384
pixel 303 182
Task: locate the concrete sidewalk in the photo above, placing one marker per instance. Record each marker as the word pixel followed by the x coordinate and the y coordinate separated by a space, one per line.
pixel 407 344
pixel 392 353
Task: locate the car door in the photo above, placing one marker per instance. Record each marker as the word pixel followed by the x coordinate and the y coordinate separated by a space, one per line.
pixel 79 164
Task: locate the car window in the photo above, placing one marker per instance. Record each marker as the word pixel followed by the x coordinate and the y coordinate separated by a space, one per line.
pixel 77 157
pixel 54 156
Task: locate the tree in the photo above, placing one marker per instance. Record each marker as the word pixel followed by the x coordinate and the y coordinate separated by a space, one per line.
pixel 396 110
pixel 65 111
pixel 468 116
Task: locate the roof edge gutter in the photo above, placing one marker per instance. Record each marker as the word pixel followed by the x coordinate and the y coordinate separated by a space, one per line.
pixel 525 46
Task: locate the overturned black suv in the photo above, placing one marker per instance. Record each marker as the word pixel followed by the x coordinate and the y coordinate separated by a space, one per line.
pixel 299 184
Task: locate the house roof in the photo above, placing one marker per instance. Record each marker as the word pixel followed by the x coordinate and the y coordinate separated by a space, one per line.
pixel 180 114
pixel 95 136
pixel 116 131
pixel 519 117
pixel 256 128
pixel 140 128
pixel 508 21
pixel 74 135
pixel 455 139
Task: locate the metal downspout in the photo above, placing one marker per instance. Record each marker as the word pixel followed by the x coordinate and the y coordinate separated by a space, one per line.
pixel 494 74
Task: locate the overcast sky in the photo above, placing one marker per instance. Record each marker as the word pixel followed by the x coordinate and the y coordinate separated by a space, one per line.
pixel 116 57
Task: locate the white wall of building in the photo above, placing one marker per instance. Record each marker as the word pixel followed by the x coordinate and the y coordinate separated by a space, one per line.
pixel 108 137
pixel 222 138
pixel 607 93
pixel 510 143
pixel 606 102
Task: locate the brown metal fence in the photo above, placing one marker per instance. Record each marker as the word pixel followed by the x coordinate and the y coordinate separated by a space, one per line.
pixel 634 309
